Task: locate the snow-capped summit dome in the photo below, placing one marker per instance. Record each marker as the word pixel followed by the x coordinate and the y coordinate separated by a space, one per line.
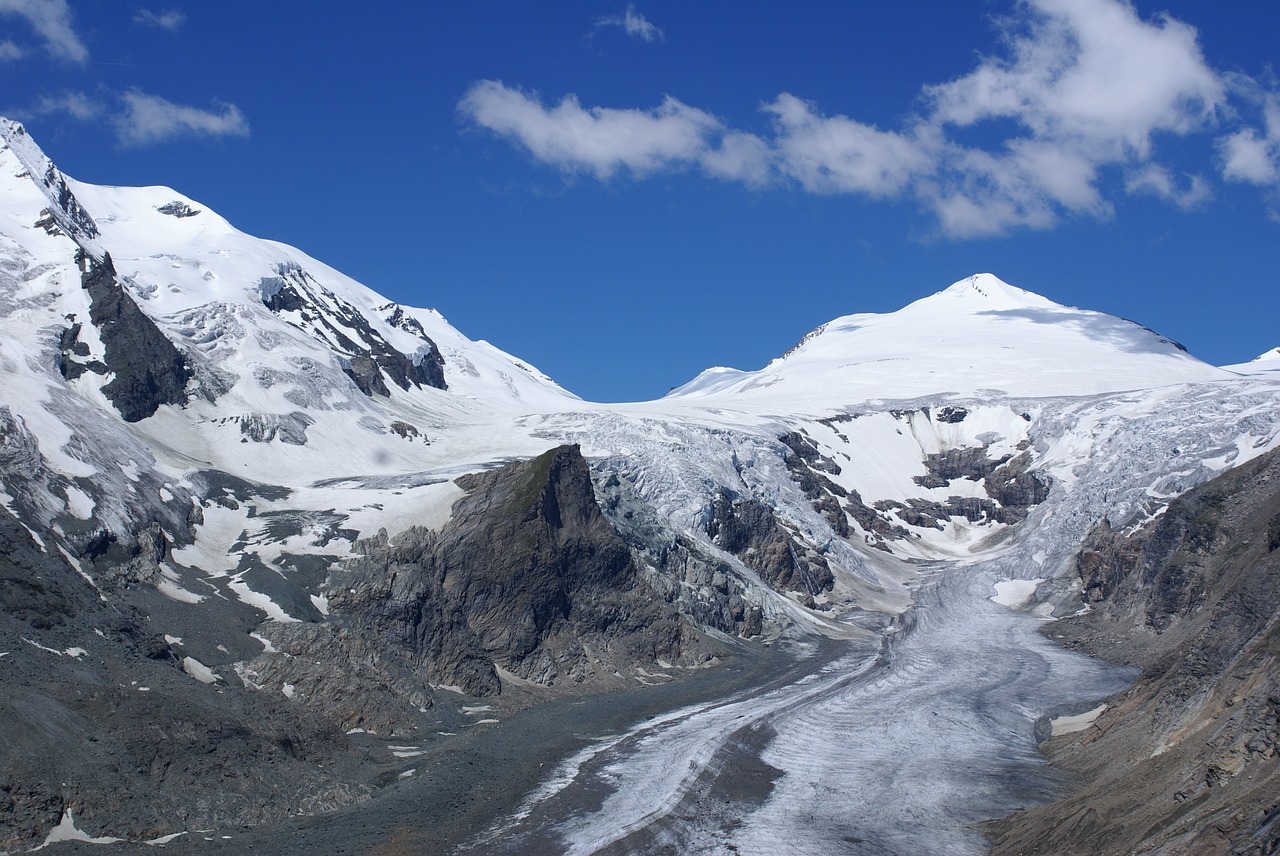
pixel 980 336
pixel 1266 362
pixel 988 290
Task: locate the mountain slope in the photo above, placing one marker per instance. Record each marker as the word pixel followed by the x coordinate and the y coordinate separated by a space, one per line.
pixel 1185 761
pixel 980 336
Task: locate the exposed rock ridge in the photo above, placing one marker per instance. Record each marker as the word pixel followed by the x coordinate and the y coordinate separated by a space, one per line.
pixel 67 212
pixel 528 577
pixel 370 359
pixel 681 569
pixel 1188 759
pixel 149 370
pixel 836 504
pixel 751 531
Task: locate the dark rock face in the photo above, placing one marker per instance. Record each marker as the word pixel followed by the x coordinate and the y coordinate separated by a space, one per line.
pixel 837 505
pixel 750 530
pixel 369 356
pixel 68 211
pixel 528 576
pixel 178 209
pixel 1188 759
pixel 680 570
pixel 149 370
pixel 1013 489
pixel 71 362
pixel 365 373
pixel 99 720
pixel 1016 488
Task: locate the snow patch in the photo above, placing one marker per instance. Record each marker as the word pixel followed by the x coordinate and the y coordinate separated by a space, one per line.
pixel 1015 593
pixel 79 503
pixel 200 671
pixel 267 647
pixel 66 830
pixel 1060 725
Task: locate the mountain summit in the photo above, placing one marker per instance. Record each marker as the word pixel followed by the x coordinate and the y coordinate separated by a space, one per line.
pixel 980 336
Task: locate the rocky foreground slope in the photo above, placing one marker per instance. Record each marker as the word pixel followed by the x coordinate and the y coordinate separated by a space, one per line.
pixel 1186 760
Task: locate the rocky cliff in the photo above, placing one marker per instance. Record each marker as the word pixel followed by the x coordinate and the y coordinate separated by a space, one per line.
pixel 527 580
pixel 1185 761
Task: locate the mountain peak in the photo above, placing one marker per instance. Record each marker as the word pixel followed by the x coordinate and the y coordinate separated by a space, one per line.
pixel 988 291
pixel 978 337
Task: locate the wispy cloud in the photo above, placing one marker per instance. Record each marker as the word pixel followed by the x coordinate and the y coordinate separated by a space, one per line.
pixel 149 119
pixel 602 140
pixel 1157 181
pixel 170 19
pixel 1080 92
pixel 51 20
pixel 142 119
pixel 77 105
pixel 635 24
pixel 10 51
pixel 1253 155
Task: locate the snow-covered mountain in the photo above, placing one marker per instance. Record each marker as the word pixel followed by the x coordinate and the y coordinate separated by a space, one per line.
pixel 237 486
pixel 981 336
pixel 1265 362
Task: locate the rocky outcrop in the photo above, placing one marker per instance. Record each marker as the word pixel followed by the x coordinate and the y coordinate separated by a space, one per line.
pixel 148 370
pixel 528 577
pixel 1188 759
pixel 809 469
pixel 178 208
pixel 679 569
pixel 369 359
pixel 289 428
pixel 751 531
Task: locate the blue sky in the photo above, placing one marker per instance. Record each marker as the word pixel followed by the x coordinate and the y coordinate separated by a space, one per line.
pixel 625 194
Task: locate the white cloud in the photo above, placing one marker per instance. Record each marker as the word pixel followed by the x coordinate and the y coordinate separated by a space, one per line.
pixel 1088 84
pixel 1157 181
pixel 77 105
pixel 839 155
pixel 635 24
pixel 1246 156
pixel 10 51
pixel 170 19
pixel 1090 73
pixel 151 119
pixel 1068 112
pixel 51 19
pixel 603 141
pixel 1254 157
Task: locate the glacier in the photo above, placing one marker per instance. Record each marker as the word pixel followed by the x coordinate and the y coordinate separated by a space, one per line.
pixel 925 458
